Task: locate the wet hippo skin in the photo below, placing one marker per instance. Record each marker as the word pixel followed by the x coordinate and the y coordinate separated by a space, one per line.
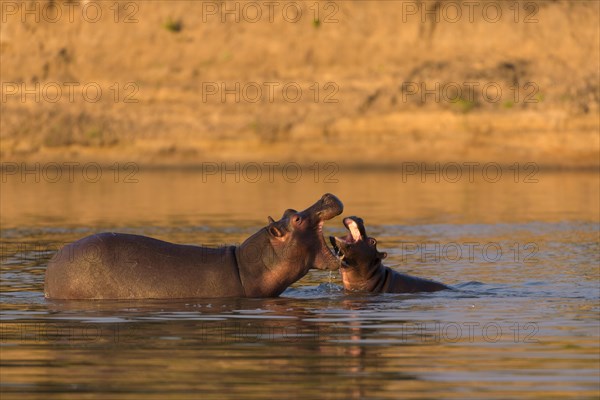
pixel 362 269
pixel 124 266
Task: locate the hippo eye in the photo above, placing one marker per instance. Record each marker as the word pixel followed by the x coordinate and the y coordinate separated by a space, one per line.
pixel 297 220
pixel 372 241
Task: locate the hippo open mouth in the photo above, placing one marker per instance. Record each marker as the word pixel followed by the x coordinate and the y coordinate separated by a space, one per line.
pixel 336 250
pixel 356 232
pixel 325 209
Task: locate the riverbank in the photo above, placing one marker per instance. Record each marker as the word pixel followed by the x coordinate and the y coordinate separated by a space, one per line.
pixel 380 84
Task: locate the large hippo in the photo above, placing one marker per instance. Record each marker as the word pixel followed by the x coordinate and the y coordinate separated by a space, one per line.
pixel 123 266
pixel 362 270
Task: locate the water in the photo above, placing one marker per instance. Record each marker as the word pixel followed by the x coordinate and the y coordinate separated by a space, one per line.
pixel 523 322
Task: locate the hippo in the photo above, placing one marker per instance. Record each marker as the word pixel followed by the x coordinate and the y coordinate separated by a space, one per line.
pixel 361 267
pixel 125 266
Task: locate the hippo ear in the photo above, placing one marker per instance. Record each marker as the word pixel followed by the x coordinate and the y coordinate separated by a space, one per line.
pixel 271 220
pixel 382 255
pixel 274 231
pixel 289 212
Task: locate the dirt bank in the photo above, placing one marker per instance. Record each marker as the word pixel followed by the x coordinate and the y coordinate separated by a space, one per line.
pixel 375 82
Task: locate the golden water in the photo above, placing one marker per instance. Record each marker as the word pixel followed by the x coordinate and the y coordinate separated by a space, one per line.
pixel 522 324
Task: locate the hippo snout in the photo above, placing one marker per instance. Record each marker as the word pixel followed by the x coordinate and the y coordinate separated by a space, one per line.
pixel 329 207
pixel 325 208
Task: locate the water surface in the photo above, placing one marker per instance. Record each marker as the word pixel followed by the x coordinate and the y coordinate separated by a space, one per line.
pixel 523 321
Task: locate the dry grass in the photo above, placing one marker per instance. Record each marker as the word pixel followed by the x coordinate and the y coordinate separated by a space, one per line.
pixel 164 60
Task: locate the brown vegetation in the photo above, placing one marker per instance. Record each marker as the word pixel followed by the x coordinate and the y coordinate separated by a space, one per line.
pixel 364 82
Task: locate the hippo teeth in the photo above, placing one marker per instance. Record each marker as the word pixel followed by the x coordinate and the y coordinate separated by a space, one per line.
pixel 336 251
pixel 343 263
pixel 354 231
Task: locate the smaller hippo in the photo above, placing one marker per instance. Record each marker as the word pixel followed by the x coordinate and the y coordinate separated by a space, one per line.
pixel 362 270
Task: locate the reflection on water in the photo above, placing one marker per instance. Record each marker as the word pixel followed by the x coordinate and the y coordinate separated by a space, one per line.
pixel 184 200
pixel 523 322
